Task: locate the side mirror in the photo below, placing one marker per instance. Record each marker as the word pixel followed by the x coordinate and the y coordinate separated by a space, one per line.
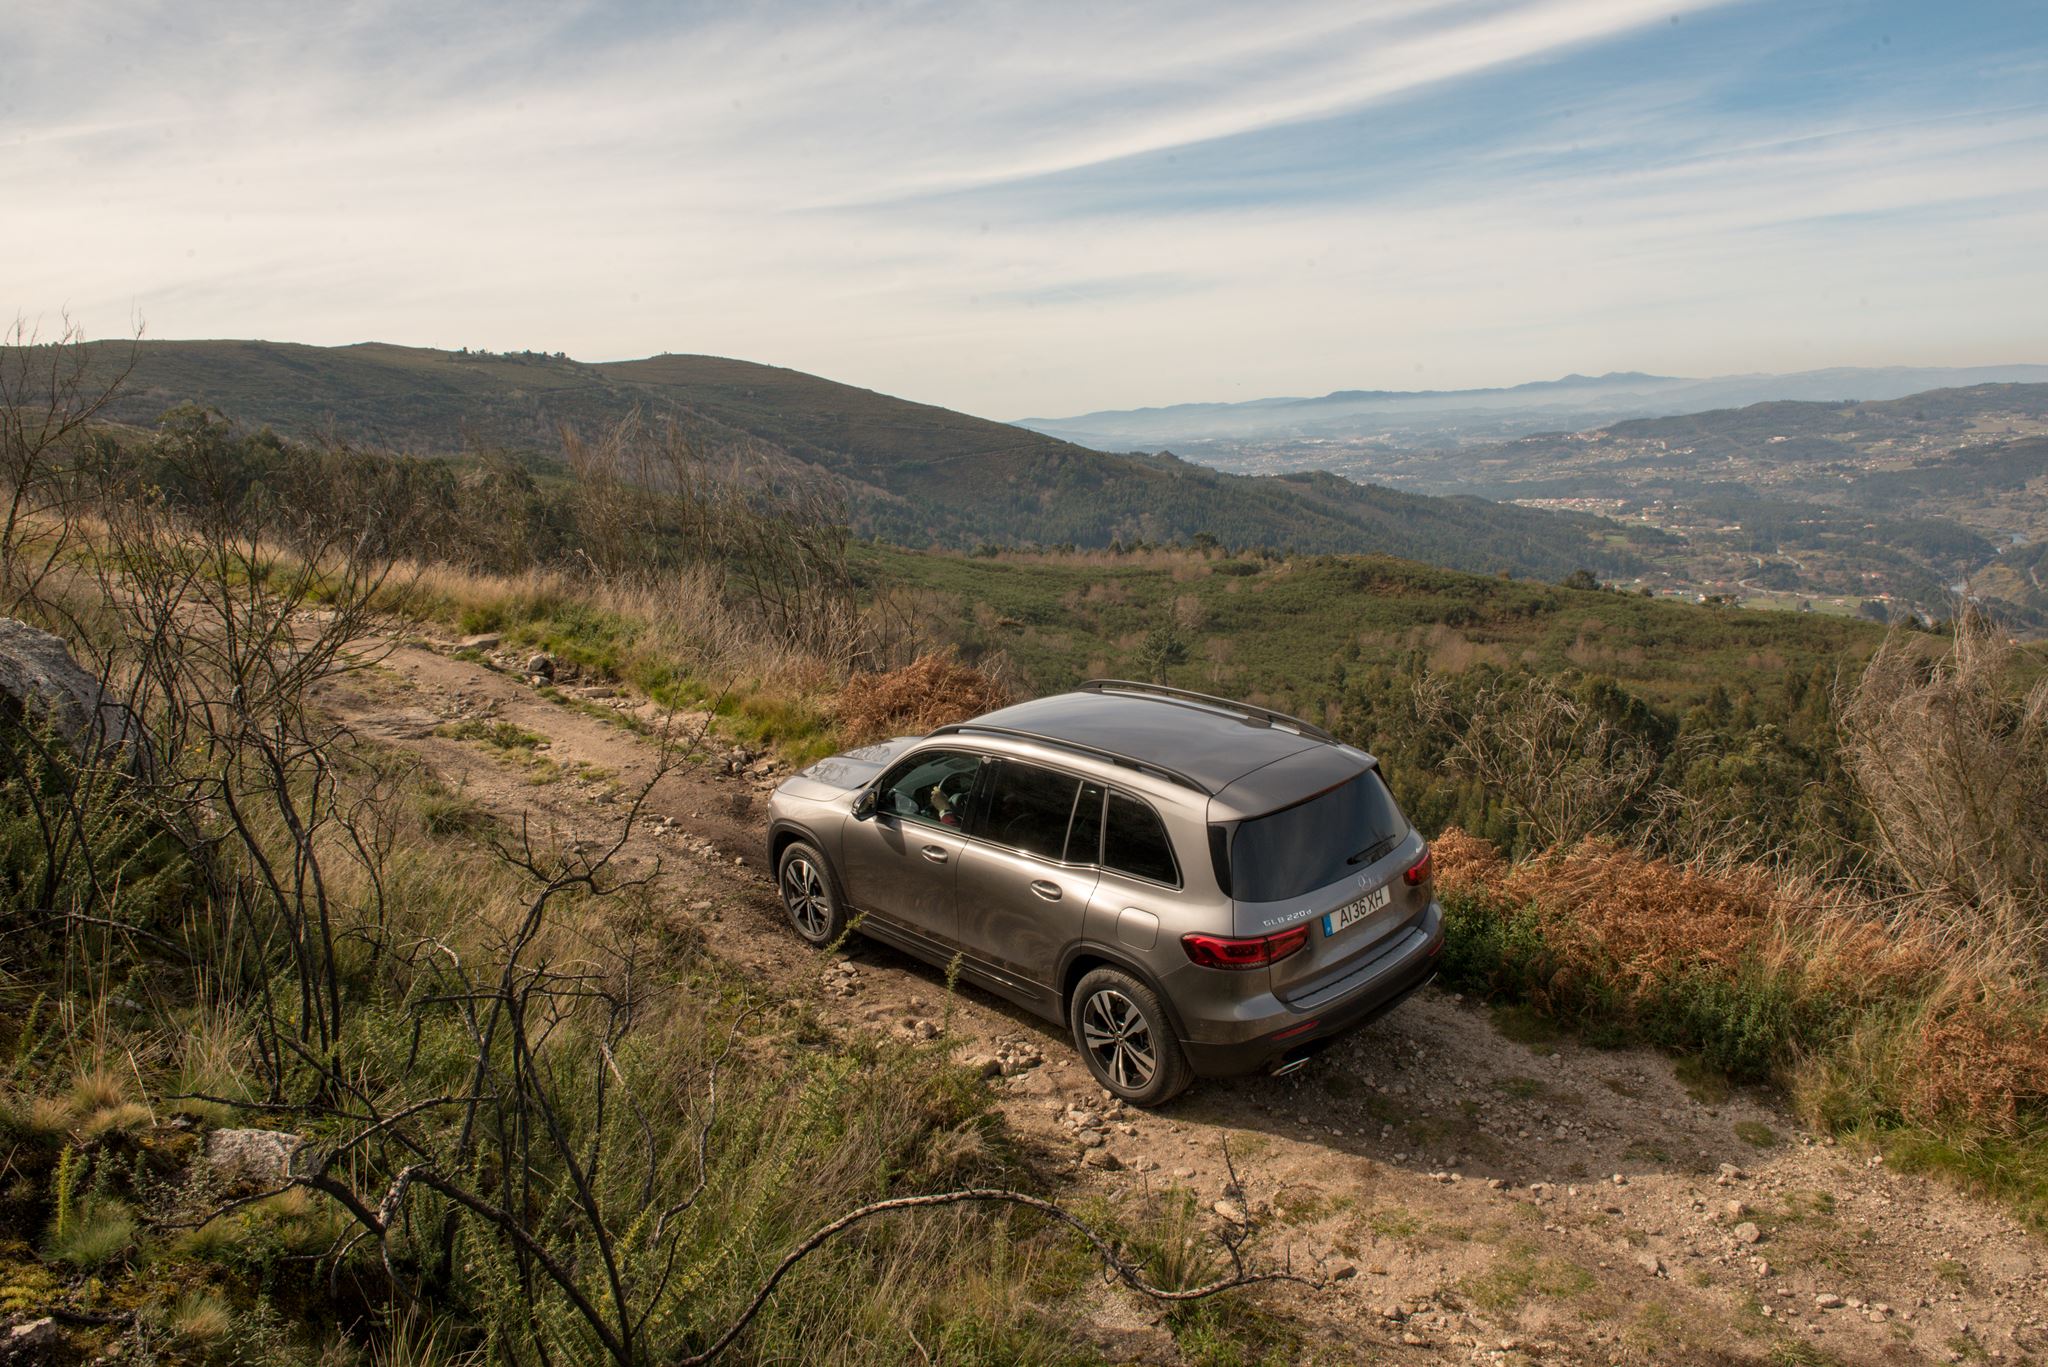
pixel 864 805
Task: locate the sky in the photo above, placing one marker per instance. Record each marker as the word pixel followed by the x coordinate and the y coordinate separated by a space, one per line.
pixel 1039 209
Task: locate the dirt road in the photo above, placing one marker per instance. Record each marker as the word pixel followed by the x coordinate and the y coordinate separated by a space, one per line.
pixel 1480 1195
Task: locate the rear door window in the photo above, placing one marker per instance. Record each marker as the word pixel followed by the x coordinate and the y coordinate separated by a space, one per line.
pixel 1084 838
pixel 1134 842
pixel 1314 843
pixel 1030 808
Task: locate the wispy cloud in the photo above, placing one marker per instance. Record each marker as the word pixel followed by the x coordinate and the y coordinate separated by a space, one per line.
pixel 1052 207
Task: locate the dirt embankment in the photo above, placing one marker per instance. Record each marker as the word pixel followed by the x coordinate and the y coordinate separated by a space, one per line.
pixel 1479 1195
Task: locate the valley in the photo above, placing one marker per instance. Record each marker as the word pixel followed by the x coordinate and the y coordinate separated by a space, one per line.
pixel 1879 508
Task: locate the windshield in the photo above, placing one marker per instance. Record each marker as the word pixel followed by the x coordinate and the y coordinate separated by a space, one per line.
pixel 1314 843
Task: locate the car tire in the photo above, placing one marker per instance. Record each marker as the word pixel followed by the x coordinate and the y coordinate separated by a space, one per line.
pixel 810 896
pixel 1126 1038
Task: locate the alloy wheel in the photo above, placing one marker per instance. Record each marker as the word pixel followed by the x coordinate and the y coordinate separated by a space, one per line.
pixel 803 893
pixel 1117 1036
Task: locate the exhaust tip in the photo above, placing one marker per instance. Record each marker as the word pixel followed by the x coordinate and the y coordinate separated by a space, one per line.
pixel 1292 1063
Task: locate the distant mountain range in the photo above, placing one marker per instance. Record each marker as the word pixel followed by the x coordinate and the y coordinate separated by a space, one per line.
pixel 1225 434
pixel 908 472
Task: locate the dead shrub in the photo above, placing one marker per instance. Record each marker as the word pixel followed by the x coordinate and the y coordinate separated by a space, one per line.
pixel 1983 1056
pixel 1466 862
pixel 1648 918
pixel 929 692
pixel 1949 753
pixel 1568 771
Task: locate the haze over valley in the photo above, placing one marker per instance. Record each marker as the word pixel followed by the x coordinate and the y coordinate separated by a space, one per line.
pixel 1353 425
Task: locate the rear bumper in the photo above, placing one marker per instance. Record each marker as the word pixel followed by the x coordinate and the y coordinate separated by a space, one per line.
pixel 1379 988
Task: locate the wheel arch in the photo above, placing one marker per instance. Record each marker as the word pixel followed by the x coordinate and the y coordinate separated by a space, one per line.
pixel 1086 957
pixel 782 835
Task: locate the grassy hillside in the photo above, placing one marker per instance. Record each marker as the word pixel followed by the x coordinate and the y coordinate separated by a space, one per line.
pixel 1283 632
pixel 910 472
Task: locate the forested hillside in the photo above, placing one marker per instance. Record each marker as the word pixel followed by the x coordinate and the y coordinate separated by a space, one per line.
pixel 906 472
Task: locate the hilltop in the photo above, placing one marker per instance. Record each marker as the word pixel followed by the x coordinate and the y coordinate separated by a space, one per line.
pixel 908 472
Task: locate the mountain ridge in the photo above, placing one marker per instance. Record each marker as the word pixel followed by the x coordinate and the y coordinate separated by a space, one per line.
pixel 908 472
pixel 1416 419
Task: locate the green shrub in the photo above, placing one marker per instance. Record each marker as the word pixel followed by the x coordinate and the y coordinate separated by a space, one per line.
pixel 478 618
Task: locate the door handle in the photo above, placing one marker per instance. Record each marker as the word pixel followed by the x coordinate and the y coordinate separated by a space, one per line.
pixel 935 853
pixel 1049 891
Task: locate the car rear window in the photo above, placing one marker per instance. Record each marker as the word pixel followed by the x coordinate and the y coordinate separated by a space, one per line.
pixel 1030 808
pixel 1314 843
pixel 1135 842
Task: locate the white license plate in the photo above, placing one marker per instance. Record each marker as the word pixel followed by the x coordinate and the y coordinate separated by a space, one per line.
pixel 1351 913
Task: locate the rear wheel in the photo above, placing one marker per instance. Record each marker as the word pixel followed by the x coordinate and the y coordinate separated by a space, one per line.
pixel 808 894
pixel 1124 1037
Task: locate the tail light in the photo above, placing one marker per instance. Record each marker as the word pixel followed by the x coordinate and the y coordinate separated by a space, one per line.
pixel 1224 951
pixel 1419 872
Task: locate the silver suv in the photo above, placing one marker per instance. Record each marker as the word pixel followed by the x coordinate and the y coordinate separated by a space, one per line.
pixel 1190 885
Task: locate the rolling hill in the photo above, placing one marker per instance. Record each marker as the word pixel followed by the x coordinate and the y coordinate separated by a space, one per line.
pixel 909 472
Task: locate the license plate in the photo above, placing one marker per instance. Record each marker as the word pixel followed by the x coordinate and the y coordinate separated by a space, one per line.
pixel 1351 913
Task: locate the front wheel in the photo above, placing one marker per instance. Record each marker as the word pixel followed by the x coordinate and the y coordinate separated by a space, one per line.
pixel 1126 1040
pixel 808 895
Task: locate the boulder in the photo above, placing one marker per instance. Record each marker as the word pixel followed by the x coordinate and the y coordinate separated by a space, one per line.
pixel 541 669
pixel 41 684
pixel 252 1160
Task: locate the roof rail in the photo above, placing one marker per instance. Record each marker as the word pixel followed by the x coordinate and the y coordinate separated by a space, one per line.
pixel 1259 716
pixel 1092 751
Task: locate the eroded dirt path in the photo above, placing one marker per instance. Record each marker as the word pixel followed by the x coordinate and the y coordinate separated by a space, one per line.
pixel 1479 1197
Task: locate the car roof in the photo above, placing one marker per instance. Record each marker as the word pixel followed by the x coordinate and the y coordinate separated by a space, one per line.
pixel 1207 742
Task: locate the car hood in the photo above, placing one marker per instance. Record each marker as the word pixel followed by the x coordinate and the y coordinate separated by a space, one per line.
pixel 844 773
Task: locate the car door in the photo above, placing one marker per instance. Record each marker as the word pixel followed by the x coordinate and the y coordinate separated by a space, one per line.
pixel 1140 887
pixel 1026 875
pixel 900 862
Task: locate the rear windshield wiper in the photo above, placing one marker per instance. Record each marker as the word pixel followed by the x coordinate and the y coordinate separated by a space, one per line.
pixel 1374 850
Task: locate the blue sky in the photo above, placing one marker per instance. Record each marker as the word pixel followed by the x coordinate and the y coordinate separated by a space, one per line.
pixel 1047 208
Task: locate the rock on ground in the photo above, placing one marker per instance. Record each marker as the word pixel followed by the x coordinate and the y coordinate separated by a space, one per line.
pixel 31 1341
pixel 40 682
pixel 252 1160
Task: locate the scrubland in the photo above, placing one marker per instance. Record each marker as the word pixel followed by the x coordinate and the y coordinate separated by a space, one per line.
pixel 545 1118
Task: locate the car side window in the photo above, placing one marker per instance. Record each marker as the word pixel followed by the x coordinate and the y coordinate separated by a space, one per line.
pixel 1134 842
pixel 1030 808
pixel 932 786
pixel 1084 837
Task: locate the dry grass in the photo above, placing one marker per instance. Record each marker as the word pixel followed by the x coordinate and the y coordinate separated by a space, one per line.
pixel 927 693
pixel 680 640
pixel 682 618
pixel 1947 1035
pixel 201 1319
